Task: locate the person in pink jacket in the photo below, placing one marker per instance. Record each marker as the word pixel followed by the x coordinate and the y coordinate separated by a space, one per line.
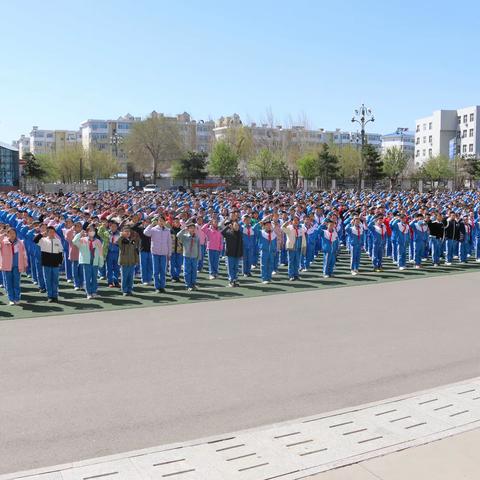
pixel 214 245
pixel 13 262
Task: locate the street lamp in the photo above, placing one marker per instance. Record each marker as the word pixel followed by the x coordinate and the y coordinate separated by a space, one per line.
pixel 400 131
pixel 362 116
pixel 115 139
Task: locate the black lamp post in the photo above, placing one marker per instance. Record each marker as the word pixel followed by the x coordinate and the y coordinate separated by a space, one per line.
pixel 115 139
pixel 362 116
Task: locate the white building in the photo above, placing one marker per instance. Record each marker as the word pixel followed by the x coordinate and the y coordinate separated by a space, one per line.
pixel 279 136
pixel 108 135
pixel 401 139
pixel 49 141
pixel 22 144
pixel 448 133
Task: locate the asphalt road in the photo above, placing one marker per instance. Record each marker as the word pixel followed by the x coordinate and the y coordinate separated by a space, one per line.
pixel 86 385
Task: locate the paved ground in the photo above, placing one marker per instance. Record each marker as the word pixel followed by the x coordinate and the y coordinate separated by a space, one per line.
pixel 81 386
pixel 304 447
pixel 449 459
pixel 35 304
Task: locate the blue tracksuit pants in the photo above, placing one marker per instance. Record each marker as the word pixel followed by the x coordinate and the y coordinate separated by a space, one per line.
pixel 190 271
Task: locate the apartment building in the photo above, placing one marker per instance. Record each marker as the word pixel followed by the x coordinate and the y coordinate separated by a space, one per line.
pixel 448 133
pixel 278 136
pixel 401 139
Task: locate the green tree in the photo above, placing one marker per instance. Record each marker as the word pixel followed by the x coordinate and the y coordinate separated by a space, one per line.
pixel 267 165
pixel 436 169
pixel 308 166
pixel 349 160
pixel 472 168
pixel 327 165
pixel 223 160
pixel 191 166
pixel 373 165
pixel 395 162
pixel 32 168
pixel 153 144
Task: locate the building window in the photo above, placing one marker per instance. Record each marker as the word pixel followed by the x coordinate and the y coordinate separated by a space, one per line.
pixel 470 133
pixel 418 153
pixel 430 139
pixel 464 134
pixel 418 140
pixel 472 117
pixel 418 128
pixel 465 118
pixel 459 118
pixel 424 126
pixel 430 126
pixel 424 139
pixel 423 152
pixel 464 149
pixel 429 152
pixel 470 148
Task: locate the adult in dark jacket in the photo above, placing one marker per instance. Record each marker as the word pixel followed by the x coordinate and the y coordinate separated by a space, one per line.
pixel 233 250
pixel 146 263
pixel 452 236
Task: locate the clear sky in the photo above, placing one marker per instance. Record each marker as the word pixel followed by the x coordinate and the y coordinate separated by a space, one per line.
pixel 63 62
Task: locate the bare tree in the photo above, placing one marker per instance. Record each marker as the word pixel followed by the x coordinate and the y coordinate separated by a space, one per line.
pixel 154 144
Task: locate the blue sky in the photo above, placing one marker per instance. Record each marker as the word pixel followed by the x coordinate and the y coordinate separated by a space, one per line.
pixel 64 62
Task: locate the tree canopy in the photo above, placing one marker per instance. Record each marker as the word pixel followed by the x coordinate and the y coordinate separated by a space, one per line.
pixel 191 166
pixel 223 160
pixel 153 144
pixel 395 162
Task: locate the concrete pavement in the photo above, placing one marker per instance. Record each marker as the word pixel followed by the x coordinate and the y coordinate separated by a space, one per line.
pixel 301 448
pixel 81 386
pixel 452 458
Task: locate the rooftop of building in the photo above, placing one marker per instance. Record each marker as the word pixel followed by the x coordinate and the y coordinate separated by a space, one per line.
pixel 8 146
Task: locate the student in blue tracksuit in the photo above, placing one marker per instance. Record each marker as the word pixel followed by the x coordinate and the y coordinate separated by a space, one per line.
pixel 476 238
pixel 249 245
pixel 268 250
pixel 61 230
pixel 401 229
pixel 420 238
pixel 311 235
pixel 465 230
pixel 113 268
pixel 378 236
pixel 355 232
pixel 329 247
pixel 37 277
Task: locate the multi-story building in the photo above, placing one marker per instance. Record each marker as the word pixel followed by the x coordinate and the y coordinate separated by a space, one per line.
pixel 401 139
pixel 448 133
pixel 266 135
pixel 9 167
pixel 196 135
pixel 107 135
pixel 22 145
pixel 47 141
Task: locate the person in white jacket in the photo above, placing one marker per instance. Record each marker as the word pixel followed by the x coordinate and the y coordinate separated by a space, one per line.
pixel 296 243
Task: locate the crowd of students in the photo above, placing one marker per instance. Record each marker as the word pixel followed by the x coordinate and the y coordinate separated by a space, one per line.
pixel 164 236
